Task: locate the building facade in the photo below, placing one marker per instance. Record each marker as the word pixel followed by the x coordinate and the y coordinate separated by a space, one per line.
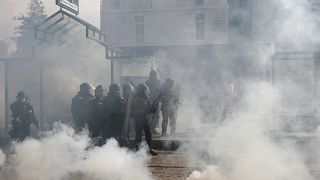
pixel 210 30
pixel 198 37
pixel 165 22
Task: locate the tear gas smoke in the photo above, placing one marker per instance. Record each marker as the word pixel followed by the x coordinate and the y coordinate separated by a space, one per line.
pixel 296 22
pixel 65 67
pixel 69 65
pixel 63 155
pixel 239 147
pixel 211 172
pixel 243 148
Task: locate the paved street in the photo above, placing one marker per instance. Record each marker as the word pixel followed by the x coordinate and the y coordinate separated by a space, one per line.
pixel 170 166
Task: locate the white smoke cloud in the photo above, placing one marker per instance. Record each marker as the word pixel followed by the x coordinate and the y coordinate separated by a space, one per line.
pixel 244 148
pixel 211 172
pixel 296 22
pixel 63 155
pixel 68 65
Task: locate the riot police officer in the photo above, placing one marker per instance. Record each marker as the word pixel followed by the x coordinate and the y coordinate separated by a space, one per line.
pixel 169 106
pixel 141 110
pixel 115 107
pixel 97 113
pixel 154 85
pixel 22 117
pixel 80 107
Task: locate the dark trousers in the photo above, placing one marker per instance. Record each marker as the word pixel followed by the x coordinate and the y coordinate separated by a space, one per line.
pixel 143 125
pixel 79 124
pixel 114 128
pixel 112 132
pixel 168 114
pixel 20 133
pixel 96 130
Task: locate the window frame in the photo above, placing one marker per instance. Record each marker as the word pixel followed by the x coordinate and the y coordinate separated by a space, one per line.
pixel 200 26
pixel 140 29
pixel 198 2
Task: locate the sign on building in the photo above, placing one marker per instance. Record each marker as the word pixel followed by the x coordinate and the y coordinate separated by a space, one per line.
pixel 70 5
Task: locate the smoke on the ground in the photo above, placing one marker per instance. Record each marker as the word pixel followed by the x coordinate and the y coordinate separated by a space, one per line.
pixel 63 155
pixel 211 172
pixel 243 147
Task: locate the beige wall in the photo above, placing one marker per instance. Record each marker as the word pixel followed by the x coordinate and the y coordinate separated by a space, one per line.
pixel 166 26
pixel 158 4
pixel 264 20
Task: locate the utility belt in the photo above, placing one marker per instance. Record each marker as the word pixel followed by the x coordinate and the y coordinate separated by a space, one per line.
pixel 17 123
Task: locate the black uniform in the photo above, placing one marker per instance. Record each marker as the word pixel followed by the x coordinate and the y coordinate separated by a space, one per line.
pixel 140 115
pixel 169 106
pixel 154 85
pixel 141 110
pixel 115 113
pixel 97 117
pixel 80 110
pixel 23 116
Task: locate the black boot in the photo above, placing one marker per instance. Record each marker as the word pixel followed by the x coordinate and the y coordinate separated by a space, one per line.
pixel 152 152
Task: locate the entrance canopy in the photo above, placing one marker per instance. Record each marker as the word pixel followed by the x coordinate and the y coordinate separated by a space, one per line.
pixel 61 26
pixel 58 29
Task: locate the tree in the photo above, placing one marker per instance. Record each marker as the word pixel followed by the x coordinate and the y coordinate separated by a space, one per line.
pixel 25 31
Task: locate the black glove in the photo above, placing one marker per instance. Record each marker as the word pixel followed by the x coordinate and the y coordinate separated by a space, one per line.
pixel 153 109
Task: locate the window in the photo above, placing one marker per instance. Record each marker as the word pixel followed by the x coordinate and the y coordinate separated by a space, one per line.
pixel 199 2
pixel 200 26
pixel 139 28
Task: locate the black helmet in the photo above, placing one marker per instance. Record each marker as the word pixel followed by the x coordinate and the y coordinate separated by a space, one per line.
pixel 142 91
pixel 153 74
pixel 21 94
pixel 113 88
pixel 85 87
pixel 127 88
pixel 99 88
pixel 169 82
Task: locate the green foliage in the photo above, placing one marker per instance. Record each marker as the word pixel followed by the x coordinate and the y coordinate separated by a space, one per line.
pixel 34 15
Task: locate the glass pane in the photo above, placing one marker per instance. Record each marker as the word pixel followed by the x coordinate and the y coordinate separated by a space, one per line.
pixel 200 31
pixel 199 2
